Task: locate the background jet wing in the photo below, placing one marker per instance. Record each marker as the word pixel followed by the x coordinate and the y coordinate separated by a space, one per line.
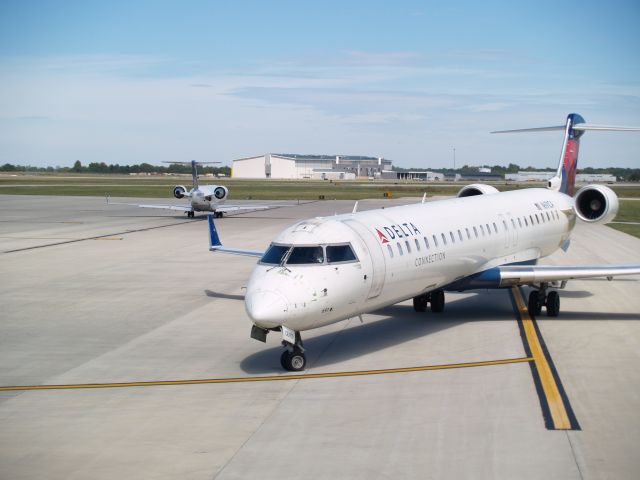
pixel 527 274
pixel 181 208
pixel 235 208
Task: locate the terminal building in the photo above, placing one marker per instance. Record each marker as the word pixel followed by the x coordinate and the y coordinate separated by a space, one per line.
pixel 319 167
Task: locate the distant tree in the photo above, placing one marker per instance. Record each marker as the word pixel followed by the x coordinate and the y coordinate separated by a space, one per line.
pixel 77 167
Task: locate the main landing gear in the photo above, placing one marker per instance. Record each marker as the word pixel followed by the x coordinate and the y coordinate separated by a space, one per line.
pixel 435 298
pixel 293 358
pixel 540 297
pixel 191 214
pixel 218 214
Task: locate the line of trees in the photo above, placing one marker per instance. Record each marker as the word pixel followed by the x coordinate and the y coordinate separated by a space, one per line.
pixel 101 167
pixel 624 174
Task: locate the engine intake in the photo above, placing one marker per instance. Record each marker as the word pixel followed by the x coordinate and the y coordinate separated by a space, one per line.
pixel 220 192
pixel 596 204
pixel 179 191
pixel 476 189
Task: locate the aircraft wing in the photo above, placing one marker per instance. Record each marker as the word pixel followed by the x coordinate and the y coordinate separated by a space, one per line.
pixel 181 208
pixel 527 274
pixel 235 208
pixel 216 246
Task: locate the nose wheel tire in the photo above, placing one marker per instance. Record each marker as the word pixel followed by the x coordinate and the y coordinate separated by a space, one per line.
pixel 294 361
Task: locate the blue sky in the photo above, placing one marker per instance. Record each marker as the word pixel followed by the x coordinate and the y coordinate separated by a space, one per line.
pixel 151 81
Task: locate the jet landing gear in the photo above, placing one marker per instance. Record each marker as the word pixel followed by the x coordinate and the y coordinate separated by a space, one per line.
pixel 293 358
pixel 539 298
pixel 191 214
pixel 218 214
pixel 435 298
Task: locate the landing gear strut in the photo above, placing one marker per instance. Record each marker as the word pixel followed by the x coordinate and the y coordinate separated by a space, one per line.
pixel 540 297
pixel 293 358
pixel 436 298
pixel 191 214
pixel 218 214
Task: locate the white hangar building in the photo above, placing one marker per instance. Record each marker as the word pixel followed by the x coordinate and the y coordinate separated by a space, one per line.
pixel 285 166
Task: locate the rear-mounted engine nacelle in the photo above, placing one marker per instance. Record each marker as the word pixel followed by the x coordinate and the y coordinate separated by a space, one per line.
pixel 476 189
pixel 220 192
pixel 179 191
pixel 596 204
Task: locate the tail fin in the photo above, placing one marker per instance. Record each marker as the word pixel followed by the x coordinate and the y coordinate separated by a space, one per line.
pixel 194 170
pixel 565 177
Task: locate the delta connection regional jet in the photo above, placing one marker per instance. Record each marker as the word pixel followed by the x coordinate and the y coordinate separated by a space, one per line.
pixel 323 270
pixel 205 198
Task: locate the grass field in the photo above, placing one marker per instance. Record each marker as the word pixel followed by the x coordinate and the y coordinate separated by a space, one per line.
pixel 161 186
pixel 240 189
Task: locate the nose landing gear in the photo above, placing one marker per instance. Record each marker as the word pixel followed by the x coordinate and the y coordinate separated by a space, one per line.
pixel 293 358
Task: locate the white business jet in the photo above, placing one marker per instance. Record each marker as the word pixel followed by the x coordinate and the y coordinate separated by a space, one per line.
pixel 205 198
pixel 327 269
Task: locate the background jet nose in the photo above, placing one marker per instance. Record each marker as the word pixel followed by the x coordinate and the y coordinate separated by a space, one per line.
pixel 266 309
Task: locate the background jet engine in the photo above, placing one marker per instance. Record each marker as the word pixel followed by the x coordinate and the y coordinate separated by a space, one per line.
pixel 476 189
pixel 596 204
pixel 220 192
pixel 179 191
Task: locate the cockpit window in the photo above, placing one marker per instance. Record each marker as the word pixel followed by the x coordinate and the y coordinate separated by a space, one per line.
pixel 340 253
pixel 305 255
pixel 275 254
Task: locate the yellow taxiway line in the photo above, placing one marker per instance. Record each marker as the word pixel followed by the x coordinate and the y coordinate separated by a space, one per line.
pixel 302 376
pixel 556 404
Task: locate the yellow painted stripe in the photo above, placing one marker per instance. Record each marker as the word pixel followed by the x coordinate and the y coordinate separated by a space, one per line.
pixel 303 376
pixel 108 238
pixel 549 386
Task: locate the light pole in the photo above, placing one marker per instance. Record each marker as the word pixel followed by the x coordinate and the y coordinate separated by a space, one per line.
pixel 454 158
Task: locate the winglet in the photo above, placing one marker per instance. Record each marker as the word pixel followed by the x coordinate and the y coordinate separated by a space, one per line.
pixel 214 239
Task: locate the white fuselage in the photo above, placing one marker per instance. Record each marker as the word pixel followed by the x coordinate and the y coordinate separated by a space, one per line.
pixel 203 199
pixel 403 252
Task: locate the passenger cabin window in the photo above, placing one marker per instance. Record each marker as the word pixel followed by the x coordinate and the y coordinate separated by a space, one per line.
pixel 482 230
pixel 406 242
pixel 417 244
pixel 426 243
pixel 444 239
pixel 435 240
pixel 519 222
pixel 548 216
pixel 468 233
pixel 399 248
pixel 495 227
pixel 460 235
pixel 390 250
pixel 340 253
pixel 488 229
pixel 453 239
pixel 275 254
pixel 475 231
pixel 305 256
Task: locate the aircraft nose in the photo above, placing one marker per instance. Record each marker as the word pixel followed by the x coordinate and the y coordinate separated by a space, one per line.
pixel 267 309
